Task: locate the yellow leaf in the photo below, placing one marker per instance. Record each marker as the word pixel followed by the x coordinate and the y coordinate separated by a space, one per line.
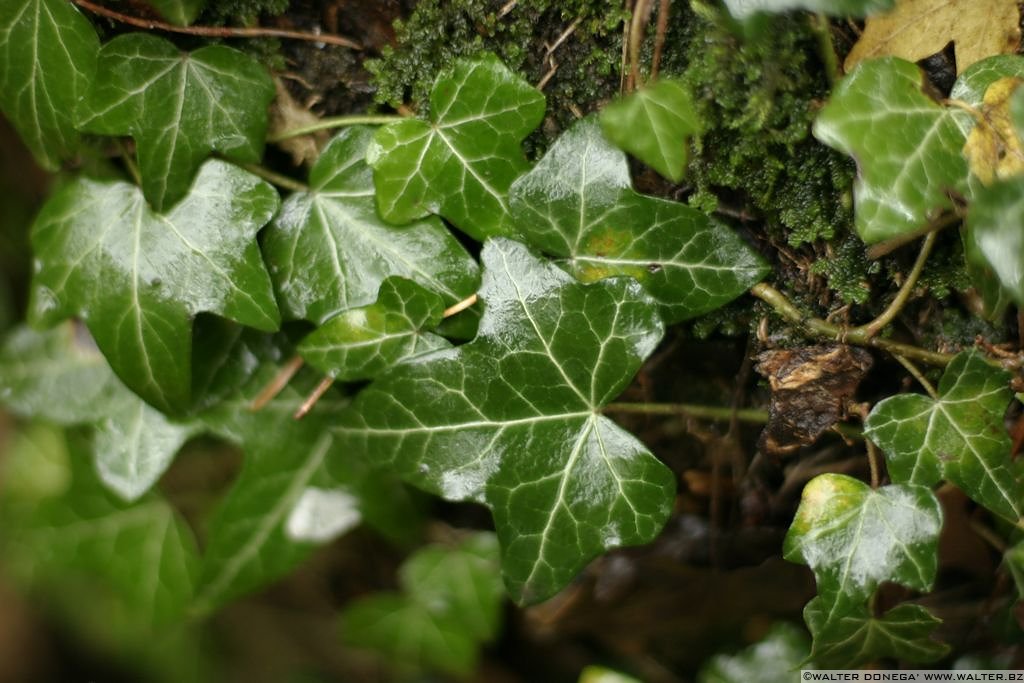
pixel 916 29
pixel 993 148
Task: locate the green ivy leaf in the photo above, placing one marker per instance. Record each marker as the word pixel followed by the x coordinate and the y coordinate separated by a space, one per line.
pixel 854 537
pixel 1014 559
pixel 741 9
pixel 993 242
pixel 47 61
pixel 137 277
pixel 361 343
pixel 462 163
pixel 512 419
pixel 654 124
pixel 848 640
pixel 154 566
pixel 329 251
pixel 179 107
pixel 782 652
pixel 959 437
pixel 972 84
pixel 907 147
pixel 450 604
pixel 180 12
pixel 60 376
pixel 578 203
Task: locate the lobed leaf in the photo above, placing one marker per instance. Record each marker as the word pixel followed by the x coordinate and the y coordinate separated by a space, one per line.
pixel 137 278
pixel 179 107
pixel 959 436
pixel 907 147
pixel 461 164
pixel 329 251
pixel 511 419
pixel 578 204
pixel 654 124
pixel 361 343
pixel 47 62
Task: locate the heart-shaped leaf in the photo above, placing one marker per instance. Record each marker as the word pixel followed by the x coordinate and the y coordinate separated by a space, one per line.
pixel 137 278
pixel 854 537
pixel 654 124
pixel 461 164
pixel 47 61
pixel 179 107
pixel 329 251
pixel 361 343
pixel 907 147
pixel 578 203
pixel 60 376
pixel 511 419
pixel 959 436
pixel 850 639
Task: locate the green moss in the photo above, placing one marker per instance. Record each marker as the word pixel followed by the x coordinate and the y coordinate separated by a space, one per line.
pixel 219 12
pixel 848 270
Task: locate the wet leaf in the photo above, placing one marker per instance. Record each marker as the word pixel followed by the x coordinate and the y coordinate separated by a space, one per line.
pixel 47 61
pixel 782 651
pixel 993 242
pixel 959 437
pixel 654 124
pixel 578 204
pixel 60 376
pixel 137 278
pixel 741 9
pixel 329 251
pixel 907 147
pixel 461 163
pixel 511 419
pixel 850 639
pixel 854 537
pixel 361 343
pixel 916 29
pixel 450 604
pixel 179 107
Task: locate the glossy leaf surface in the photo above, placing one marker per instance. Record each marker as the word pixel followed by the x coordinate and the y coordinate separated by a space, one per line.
pixel 511 419
pixel 461 163
pixel 137 278
pixel 47 61
pixel 854 537
pixel 578 204
pixel 654 124
pixel 360 343
pixel 179 107
pixel 329 250
pixel 993 240
pixel 60 376
pixel 742 9
pixel 907 147
pixel 959 437
pixel 782 651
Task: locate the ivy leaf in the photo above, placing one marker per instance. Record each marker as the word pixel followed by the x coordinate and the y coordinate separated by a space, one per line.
pixel 992 241
pixel 848 640
pixel 854 537
pixel 329 251
pixel 180 12
pixel 47 61
pixel 154 566
pixel 741 9
pixel 137 277
pixel 1014 559
pixel 461 164
pixel 960 436
pixel 179 107
pixel 578 204
pixel 907 147
pixel 654 124
pixel 450 604
pixel 776 657
pixel 60 376
pixel 361 343
pixel 511 419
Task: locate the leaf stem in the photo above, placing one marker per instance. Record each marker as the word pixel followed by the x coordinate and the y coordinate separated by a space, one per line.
pixel 889 314
pixel 129 163
pixel 312 399
pixel 279 382
pixel 826 48
pixel 918 375
pixel 276 178
pixel 659 37
pixel 460 306
pixel 337 122
pixel 940 223
pixel 826 330
pixel 218 31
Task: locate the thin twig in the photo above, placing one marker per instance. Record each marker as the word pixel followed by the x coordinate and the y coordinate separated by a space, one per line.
pixel 336 122
pixel 623 71
pixel 703 412
pixel 275 385
pixel 461 306
pixel 659 36
pixel 562 37
pixel 873 459
pixel 918 375
pixel 276 178
pixel 889 314
pixel 315 396
pixel 942 222
pixel 219 31
pixel 641 15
